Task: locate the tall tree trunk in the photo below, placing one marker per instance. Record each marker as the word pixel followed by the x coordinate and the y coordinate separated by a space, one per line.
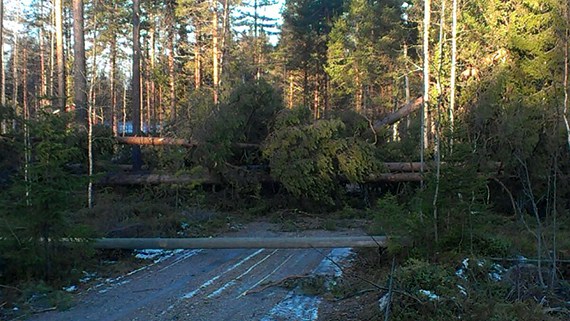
pixel 215 50
pixel 452 86
pixel 426 74
pixel 407 85
pixel 27 145
pixel 92 91
pixel 566 63
pixel 4 124
pixel 61 89
pixel 113 68
pixel 43 81
pixel 171 70
pixel 79 66
pixel 197 56
pixel 51 86
pixel 16 64
pixel 291 90
pixel 225 33
pixel 136 85
pixel 124 110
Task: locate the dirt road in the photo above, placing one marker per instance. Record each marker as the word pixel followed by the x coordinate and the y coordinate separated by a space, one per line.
pixel 203 285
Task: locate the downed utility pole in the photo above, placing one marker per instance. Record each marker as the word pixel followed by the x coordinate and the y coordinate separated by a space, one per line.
pixel 241 243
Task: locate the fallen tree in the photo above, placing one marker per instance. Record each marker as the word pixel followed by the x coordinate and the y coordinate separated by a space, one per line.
pixel 399 114
pixel 164 141
pixel 156 179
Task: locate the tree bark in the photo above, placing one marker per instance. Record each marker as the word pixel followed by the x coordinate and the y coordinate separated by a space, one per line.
pixel 113 71
pixel 43 82
pixel 198 56
pixel 79 66
pixel 426 74
pixel 215 50
pixel 60 59
pixel 452 86
pixel 402 112
pixel 136 85
pixel 171 70
pixel 4 124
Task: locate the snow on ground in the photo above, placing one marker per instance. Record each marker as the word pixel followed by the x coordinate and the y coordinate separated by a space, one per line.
pixel 297 306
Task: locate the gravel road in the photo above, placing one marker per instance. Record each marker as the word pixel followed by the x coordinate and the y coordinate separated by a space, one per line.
pixel 204 285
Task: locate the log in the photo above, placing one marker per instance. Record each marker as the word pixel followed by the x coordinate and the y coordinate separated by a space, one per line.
pixel 399 114
pixel 164 141
pixel 241 243
pixel 154 141
pixel 156 179
pixel 395 177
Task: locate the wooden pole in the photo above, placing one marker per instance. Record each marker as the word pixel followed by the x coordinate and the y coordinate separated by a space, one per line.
pixel 241 243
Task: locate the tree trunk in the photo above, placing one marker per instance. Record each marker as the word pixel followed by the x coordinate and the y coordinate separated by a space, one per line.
pixel 426 74
pixel 452 86
pixel 407 85
pixel 197 57
pixel 4 124
pixel 61 89
pixel 113 71
pixel 79 67
pixel 136 85
pixel 16 65
pixel 215 50
pixel 566 63
pixel 43 82
pixel 171 70
pixel 225 32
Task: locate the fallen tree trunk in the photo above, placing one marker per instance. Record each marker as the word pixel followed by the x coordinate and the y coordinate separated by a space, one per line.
pixel 399 114
pixel 154 141
pixel 163 141
pixel 242 243
pixel 155 179
pixel 395 177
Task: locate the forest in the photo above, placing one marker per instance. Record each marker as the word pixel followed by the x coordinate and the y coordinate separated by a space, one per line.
pixel 441 123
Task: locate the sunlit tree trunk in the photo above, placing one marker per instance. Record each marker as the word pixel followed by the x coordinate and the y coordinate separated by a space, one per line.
pixel 197 56
pixel 61 89
pixel 452 86
pixel 84 115
pixel 43 81
pixel 426 75
pixel 171 70
pixel 225 34
pixel 136 85
pixel 215 50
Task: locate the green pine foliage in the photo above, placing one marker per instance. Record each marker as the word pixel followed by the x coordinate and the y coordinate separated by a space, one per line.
pixel 37 208
pixel 313 159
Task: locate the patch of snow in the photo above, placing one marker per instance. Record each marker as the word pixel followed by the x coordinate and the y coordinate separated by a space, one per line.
pixel 497 272
pixel 330 264
pixel 462 290
pixel 430 295
pixel 295 307
pixel 384 301
pixel 70 289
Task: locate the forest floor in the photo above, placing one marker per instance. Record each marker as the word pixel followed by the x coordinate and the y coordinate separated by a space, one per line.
pixel 253 284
